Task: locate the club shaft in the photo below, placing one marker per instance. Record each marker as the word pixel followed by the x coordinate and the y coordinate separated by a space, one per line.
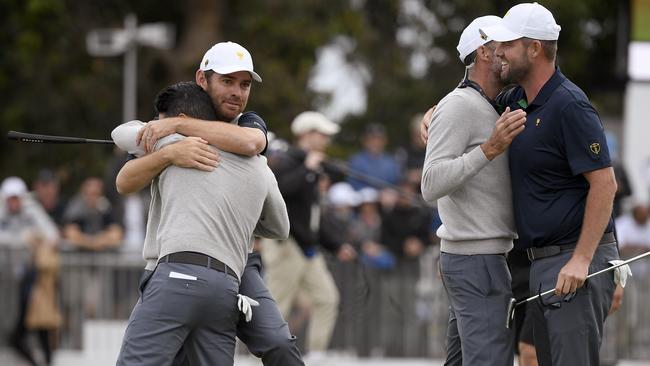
pixel 52 139
pixel 608 269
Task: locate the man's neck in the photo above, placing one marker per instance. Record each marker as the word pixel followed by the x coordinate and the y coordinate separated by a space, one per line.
pixel 538 76
pixel 489 82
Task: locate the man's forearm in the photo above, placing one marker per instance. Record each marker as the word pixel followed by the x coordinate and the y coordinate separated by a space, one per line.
pixel 442 176
pixel 598 210
pixel 226 136
pixel 138 173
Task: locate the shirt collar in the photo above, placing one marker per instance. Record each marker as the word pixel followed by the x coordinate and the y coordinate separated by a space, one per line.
pixel 547 90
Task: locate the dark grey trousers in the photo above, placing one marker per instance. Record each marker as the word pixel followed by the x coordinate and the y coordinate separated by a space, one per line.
pixel 478 287
pixel 198 314
pixel 267 335
pixel 570 333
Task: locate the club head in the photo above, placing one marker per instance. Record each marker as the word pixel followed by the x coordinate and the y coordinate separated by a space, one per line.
pixel 510 315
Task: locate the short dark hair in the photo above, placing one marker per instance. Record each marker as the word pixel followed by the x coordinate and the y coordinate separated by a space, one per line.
pixel 469 59
pixel 549 48
pixel 186 97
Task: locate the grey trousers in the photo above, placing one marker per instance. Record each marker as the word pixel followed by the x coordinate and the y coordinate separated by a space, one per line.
pixel 478 287
pixel 267 335
pixel 570 333
pixel 198 314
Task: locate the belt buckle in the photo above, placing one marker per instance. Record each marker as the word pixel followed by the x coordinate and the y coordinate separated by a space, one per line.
pixel 530 254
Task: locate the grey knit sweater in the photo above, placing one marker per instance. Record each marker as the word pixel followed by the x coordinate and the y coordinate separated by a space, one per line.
pixel 473 194
pixel 215 213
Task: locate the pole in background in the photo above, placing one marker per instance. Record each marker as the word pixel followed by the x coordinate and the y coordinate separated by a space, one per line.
pixel 109 42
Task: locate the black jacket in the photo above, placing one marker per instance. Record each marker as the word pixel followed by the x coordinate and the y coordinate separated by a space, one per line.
pixel 299 187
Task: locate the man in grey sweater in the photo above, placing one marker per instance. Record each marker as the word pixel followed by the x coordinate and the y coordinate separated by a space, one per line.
pixel 267 334
pixel 466 172
pixel 203 230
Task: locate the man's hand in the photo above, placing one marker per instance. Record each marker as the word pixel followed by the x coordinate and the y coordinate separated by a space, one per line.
pixel 572 276
pixel 617 299
pixel 155 130
pixel 314 160
pixel 413 247
pixel 424 124
pixel 346 253
pixel 192 152
pixel 507 127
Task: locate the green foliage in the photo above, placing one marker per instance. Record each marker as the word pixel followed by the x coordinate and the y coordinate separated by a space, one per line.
pixel 51 85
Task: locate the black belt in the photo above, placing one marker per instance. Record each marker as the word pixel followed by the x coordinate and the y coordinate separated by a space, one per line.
pixel 199 260
pixel 551 250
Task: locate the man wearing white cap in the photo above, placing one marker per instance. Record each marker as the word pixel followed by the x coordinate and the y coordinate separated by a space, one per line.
pixel 296 265
pixel 466 172
pixel 225 73
pixel 563 188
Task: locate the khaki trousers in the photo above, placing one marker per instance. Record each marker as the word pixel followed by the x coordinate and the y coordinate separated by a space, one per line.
pixel 289 273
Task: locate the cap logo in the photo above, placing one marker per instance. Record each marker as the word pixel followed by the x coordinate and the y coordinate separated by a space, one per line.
pixel 240 55
pixel 205 64
pixel 595 148
pixel 483 35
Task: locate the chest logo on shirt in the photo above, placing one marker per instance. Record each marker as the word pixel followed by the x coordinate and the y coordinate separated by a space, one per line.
pixel 537 122
pixel 595 148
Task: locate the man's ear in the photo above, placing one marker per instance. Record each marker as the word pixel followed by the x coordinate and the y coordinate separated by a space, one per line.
pixel 201 79
pixel 484 52
pixel 534 49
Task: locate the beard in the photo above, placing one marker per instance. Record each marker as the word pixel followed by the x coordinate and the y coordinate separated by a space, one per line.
pixel 516 72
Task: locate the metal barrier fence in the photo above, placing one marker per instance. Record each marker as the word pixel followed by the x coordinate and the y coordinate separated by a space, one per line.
pixel 398 313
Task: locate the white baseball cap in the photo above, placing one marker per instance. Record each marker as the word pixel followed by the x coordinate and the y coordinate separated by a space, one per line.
pixel 342 194
pixel 471 38
pixel 529 20
pixel 228 57
pixel 13 187
pixel 313 121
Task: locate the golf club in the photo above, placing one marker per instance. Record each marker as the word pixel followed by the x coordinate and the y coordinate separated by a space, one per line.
pixel 513 304
pixel 51 139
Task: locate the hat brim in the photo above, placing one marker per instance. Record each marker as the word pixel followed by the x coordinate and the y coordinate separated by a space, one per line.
pixel 230 70
pixel 500 33
pixel 330 130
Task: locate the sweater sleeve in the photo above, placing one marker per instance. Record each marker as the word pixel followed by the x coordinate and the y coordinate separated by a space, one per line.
pixel 447 165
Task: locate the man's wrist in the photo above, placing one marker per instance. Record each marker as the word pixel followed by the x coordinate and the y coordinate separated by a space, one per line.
pixel 583 256
pixel 489 151
pixel 166 154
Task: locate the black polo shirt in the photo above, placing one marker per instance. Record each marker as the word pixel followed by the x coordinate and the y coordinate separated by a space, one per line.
pixel 563 139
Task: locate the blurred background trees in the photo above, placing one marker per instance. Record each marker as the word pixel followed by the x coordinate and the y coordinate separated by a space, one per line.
pixel 359 61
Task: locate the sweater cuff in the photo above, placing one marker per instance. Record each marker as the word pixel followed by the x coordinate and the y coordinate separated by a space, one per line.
pixel 476 159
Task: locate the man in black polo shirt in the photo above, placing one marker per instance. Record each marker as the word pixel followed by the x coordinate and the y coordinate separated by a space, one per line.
pixel 563 188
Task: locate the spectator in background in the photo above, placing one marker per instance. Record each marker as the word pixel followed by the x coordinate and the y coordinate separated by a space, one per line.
pixel 366 232
pixel 623 188
pixel 338 211
pixel 633 232
pixel 47 192
pixel 89 220
pixel 373 161
pixel 411 155
pixel 296 264
pixel 405 228
pixel 130 211
pixel 24 224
